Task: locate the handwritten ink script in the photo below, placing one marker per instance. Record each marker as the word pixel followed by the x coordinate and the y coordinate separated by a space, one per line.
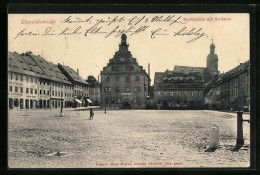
pixel 115 26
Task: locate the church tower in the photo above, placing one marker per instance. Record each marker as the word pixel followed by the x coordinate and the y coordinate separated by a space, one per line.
pixel 212 60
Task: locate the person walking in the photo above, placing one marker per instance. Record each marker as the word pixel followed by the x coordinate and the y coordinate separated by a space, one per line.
pixel 91 113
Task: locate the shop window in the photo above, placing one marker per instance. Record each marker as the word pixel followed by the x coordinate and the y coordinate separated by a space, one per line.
pixel 16 102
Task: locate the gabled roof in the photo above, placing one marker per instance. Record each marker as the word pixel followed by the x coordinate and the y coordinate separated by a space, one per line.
pixel 47 69
pixel 34 66
pixel 12 65
pixel 61 76
pixel 73 76
pixel 17 64
pixel 92 81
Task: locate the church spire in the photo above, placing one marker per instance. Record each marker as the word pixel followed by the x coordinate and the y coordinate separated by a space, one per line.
pixel 212 47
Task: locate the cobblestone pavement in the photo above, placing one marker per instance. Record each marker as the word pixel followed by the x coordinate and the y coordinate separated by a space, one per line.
pixel 123 138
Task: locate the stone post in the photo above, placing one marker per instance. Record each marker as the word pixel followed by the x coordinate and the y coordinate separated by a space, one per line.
pixel 240 139
pixel 214 138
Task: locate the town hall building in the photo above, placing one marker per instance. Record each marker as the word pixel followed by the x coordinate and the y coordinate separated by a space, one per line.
pixel 124 83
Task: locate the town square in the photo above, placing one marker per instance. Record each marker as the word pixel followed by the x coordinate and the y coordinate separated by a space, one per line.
pixel 129 91
pixel 122 136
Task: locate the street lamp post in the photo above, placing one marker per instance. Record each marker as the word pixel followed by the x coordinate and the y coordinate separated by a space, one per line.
pixel 61 104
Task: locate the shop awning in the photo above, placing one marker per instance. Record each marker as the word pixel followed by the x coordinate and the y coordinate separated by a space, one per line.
pixel 89 100
pixel 78 101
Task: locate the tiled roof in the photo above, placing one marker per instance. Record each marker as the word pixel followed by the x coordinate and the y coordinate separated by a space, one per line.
pixel 61 76
pixel 75 77
pixel 92 81
pixel 34 66
pixel 231 73
pixel 203 70
pixel 12 65
pixel 17 64
pixel 171 76
pixel 47 69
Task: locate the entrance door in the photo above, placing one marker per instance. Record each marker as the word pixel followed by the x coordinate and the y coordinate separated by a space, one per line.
pixel 31 104
pixel 11 103
pixel 21 103
pixel 27 103
pixel 40 103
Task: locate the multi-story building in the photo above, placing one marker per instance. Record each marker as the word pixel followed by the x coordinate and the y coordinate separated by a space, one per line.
pixel 94 90
pixel 178 90
pixel 51 85
pixel 36 83
pixel 22 84
pixel 185 86
pixel 232 89
pixel 124 84
pixel 80 86
pixel 65 87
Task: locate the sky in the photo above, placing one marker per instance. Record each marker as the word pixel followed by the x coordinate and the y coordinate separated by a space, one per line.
pixel 159 39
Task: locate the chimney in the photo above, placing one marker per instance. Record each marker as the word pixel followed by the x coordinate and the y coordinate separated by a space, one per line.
pixel 149 69
pixel 77 70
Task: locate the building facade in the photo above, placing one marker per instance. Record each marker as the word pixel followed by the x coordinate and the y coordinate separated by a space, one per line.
pixel 174 90
pixel 80 87
pixel 124 83
pixel 34 82
pixel 94 90
pixel 22 84
pixel 231 91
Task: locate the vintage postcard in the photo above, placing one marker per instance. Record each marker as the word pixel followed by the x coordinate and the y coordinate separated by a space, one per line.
pixel 144 90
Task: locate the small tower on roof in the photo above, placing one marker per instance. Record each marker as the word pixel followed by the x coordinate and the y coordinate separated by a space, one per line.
pixel 212 60
pixel 123 45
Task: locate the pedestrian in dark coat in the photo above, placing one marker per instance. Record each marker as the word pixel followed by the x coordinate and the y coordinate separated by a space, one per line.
pixel 91 113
